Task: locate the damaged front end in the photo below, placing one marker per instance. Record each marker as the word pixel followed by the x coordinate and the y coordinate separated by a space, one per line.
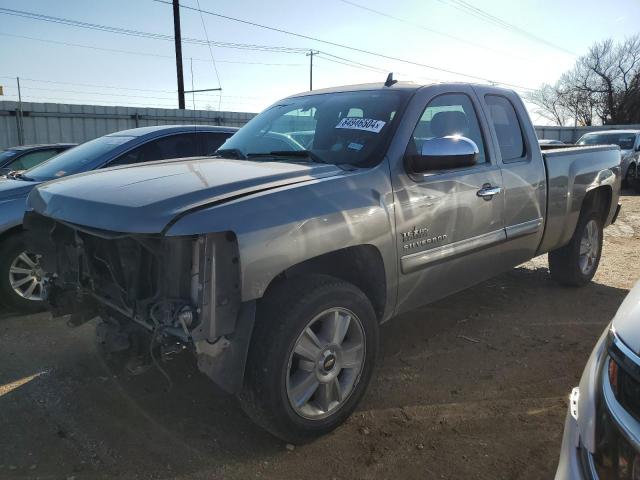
pixel 153 293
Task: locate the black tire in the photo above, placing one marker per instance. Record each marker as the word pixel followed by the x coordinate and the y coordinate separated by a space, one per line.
pixel 282 316
pixel 10 248
pixel 564 263
pixel 629 180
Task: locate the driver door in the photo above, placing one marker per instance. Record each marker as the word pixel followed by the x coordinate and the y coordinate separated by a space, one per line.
pixel 448 231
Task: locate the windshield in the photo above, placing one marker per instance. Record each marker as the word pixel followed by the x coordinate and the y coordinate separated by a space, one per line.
pixel 75 159
pixel 338 128
pixel 624 140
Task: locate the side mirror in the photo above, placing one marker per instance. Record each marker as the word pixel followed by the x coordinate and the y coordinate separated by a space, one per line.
pixel 444 153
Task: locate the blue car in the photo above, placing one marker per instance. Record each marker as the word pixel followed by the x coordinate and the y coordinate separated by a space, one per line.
pixel 21 277
pixel 28 156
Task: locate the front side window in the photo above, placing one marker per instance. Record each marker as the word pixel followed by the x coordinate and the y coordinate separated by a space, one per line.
pixel 212 141
pixel 340 128
pixel 174 146
pixel 451 114
pixel 507 127
pixel 624 140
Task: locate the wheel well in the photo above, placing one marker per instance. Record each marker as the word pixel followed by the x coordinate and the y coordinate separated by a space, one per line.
pixel 598 199
pixel 7 233
pixel 361 266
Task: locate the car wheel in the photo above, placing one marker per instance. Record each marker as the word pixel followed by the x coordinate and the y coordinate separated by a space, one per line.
pixel 312 354
pixel 576 263
pixel 21 277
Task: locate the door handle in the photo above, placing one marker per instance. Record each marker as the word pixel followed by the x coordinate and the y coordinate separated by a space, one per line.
pixel 487 191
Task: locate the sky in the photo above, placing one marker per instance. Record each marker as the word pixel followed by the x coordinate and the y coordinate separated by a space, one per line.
pixel 519 43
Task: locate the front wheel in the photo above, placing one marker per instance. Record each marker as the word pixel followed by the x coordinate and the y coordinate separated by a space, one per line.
pixel 21 276
pixel 312 354
pixel 576 263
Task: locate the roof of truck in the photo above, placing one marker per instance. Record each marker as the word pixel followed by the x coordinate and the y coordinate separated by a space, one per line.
pixel 407 86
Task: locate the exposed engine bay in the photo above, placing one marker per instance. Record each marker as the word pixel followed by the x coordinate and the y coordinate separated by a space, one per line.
pixel 155 296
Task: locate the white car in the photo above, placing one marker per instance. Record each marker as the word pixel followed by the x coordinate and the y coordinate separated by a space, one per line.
pixel 629 143
pixel 602 430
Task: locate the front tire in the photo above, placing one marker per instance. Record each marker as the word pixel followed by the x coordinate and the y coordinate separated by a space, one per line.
pixel 312 354
pixel 21 278
pixel 576 263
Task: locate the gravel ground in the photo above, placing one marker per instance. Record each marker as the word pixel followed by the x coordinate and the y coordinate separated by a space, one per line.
pixel 474 386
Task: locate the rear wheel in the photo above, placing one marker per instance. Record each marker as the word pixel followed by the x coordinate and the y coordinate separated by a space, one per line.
pixel 312 355
pixel 21 276
pixel 576 263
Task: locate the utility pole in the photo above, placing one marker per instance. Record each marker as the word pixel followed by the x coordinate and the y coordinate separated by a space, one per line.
pixel 19 115
pixel 310 55
pixel 178 42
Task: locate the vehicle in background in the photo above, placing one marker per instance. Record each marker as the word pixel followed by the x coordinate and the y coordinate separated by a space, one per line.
pixel 276 263
pixel 629 143
pixel 28 156
pixel 602 430
pixel 20 272
pixel 549 141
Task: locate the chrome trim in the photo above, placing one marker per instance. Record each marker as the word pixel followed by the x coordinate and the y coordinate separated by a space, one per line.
pixel 525 228
pixel 418 260
pixel 628 426
pixel 488 192
pixel 615 341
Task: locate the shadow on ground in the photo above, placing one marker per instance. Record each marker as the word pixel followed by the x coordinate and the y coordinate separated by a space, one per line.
pixel 516 336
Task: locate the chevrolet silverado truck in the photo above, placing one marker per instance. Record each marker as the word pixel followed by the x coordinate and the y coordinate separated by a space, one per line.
pixel 328 214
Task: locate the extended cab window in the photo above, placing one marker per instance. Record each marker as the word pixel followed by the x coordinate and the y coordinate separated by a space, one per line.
pixel 505 122
pixel 447 115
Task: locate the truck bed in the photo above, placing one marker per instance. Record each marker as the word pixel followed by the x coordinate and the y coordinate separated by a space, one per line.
pixel 571 173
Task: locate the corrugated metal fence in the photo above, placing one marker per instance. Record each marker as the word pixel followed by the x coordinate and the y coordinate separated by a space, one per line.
pixel 58 122
pixel 572 134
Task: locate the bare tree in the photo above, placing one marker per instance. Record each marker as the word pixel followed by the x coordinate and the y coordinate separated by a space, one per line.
pixel 549 104
pixel 604 83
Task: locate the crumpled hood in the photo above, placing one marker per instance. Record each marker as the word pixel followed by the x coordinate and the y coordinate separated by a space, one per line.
pixel 146 198
pixel 627 320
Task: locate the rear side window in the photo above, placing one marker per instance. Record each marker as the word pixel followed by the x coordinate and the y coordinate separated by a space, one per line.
pixel 505 122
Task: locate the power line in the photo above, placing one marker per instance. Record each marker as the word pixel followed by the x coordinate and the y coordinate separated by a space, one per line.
pixel 94 85
pixel 151 35
pixel 147 54
pixel 432 30
pixel 494 20
pixel 101 103
pixel 340 45
pixel 213 61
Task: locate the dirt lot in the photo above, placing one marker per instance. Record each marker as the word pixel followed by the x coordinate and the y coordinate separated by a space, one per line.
pixel 474 386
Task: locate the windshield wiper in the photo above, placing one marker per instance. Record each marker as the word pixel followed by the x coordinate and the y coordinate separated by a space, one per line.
pixel 308 154
pixel 230 153
pixel 19 176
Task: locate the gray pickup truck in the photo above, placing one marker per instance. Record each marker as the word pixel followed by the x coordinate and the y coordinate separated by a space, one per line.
pixel 328 214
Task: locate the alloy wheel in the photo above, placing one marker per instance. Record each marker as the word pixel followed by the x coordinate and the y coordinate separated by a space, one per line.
pixel 326 363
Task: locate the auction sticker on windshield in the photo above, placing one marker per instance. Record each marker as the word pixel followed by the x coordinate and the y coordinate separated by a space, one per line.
pixel 367 124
